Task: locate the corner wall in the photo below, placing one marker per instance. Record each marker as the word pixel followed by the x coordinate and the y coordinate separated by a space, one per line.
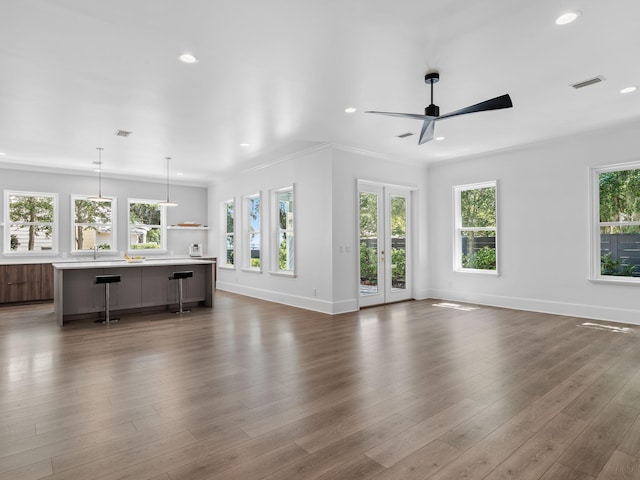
pixel 544 230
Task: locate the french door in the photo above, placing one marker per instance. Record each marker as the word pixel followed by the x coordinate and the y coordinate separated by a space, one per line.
pixel 385 253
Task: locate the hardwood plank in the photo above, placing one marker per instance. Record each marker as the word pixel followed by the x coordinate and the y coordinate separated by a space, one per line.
pixel 631 442
pixel 621 467
pixel 359 468
pixel 486 455
pixel 541 451
pixel 423 463
pixel 405 443
pixel 562 472
pixel 591 450
pixel 33 471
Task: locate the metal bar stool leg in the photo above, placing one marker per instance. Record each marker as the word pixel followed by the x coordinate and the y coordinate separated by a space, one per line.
pixel 107 280
pixel 180 276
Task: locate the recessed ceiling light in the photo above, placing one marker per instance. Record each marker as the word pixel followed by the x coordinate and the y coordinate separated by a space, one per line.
pixel 349 110
pixel 439 139
pixel 567 18
pixel 628 90
pixel 2 154
pixel 188 58
pixel 244 144
pixel 179 174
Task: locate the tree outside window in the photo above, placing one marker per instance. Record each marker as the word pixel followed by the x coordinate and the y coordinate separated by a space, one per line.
pixel 476 227
pixel 93 224
pixel 229 240
pixel 31 222
pixel 146 225
pixel 285 242
pixel 617 225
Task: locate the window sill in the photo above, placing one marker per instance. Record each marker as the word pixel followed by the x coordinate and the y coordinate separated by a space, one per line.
pixel 251 270
pixel 615 280
pixel 283 274
pixel 43 253
pixel 493 273
pixel 226 267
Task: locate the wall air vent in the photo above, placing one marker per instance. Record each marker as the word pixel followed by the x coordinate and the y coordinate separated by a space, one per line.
pixel 586 83
pixel 405 135
pixel 122 133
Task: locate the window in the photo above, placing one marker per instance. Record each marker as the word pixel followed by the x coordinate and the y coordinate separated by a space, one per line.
pixel 475 240
pixel 147 225
pixel 253 236
pixel 284 251
pixel 93 224
pixel 30 222
pixel 616 223
pixel 229 227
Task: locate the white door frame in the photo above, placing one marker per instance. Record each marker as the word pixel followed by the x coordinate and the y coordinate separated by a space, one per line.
pixel 385 293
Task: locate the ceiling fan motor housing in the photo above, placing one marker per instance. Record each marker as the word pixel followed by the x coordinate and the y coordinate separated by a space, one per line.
pixel 432 110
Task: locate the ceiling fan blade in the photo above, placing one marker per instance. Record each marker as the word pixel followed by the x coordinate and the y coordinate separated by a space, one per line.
pixel 415 116
pixel 426 134
pixel 503 101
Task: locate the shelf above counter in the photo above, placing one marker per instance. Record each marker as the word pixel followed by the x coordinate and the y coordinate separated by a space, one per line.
pixel 178 227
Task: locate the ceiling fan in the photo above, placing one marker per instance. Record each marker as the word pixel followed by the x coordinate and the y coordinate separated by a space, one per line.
pixel 432 112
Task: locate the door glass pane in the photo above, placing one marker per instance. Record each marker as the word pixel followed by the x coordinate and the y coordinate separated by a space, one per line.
pixel 398 242
pixel 368 243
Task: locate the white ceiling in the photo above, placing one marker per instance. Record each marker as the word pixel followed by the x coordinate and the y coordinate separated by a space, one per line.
pixel 278 74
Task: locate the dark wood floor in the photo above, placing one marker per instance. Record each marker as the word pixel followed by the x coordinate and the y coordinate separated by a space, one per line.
pixel 253 390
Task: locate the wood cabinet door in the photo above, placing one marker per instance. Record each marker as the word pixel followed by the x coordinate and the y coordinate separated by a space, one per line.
pixel 46 281
pixel 21 282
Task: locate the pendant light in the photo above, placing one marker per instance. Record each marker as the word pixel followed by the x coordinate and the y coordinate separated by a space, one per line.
pixel 99 198
pixel 168 203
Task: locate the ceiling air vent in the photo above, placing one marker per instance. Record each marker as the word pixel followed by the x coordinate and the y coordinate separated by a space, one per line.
pixel 586 83
pixel 122 133
pixel 405 135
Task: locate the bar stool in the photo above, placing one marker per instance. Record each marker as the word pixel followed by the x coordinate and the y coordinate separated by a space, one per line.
pixel 180 276
pixel 107 280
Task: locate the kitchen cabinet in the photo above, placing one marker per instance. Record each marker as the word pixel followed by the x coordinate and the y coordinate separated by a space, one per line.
pixel 26 282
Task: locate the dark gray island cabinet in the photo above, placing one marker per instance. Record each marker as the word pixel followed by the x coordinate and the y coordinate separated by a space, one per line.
pixel 142 285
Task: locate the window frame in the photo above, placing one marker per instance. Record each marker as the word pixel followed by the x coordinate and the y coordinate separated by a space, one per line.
pixel 277 230
pixel 459 229
pixel 7 223
pixel 595 272
pixel 112 224
pixel 247 233
pixel 163 226
pixel 226 234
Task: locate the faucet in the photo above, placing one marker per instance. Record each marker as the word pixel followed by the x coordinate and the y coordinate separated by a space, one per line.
pixel 95 251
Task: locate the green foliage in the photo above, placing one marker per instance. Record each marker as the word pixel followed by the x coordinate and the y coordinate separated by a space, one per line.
pixel 611 266
pixel 32 209
pixel 620 196
pixel 478 207
pixel 399 270
pixel 144 213
pixel 153 236
pixel 368 265
pixel 15 243
pixel 255 263
pixel 398 217
pixel 368 215
pixel 104 246
pixel 230 216
pixel 142 246
pixel 482 259
pixel 86 212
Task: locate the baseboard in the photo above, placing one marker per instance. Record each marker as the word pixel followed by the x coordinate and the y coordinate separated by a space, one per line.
pixel 308 303
pixel 595 312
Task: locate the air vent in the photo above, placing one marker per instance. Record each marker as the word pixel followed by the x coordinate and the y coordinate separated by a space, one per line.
pixel 405 135
pixel 122 133
pixel 586 83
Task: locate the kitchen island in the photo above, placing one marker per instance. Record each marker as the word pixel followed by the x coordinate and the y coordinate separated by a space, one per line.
pixel 143 285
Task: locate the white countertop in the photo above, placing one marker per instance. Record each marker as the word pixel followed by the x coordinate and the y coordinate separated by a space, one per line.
pixel 149 262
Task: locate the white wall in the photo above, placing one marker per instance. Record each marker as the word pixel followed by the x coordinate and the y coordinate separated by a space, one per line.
pixel 311 173
pixel 543 210
pixel 192 204
pixel 326 216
